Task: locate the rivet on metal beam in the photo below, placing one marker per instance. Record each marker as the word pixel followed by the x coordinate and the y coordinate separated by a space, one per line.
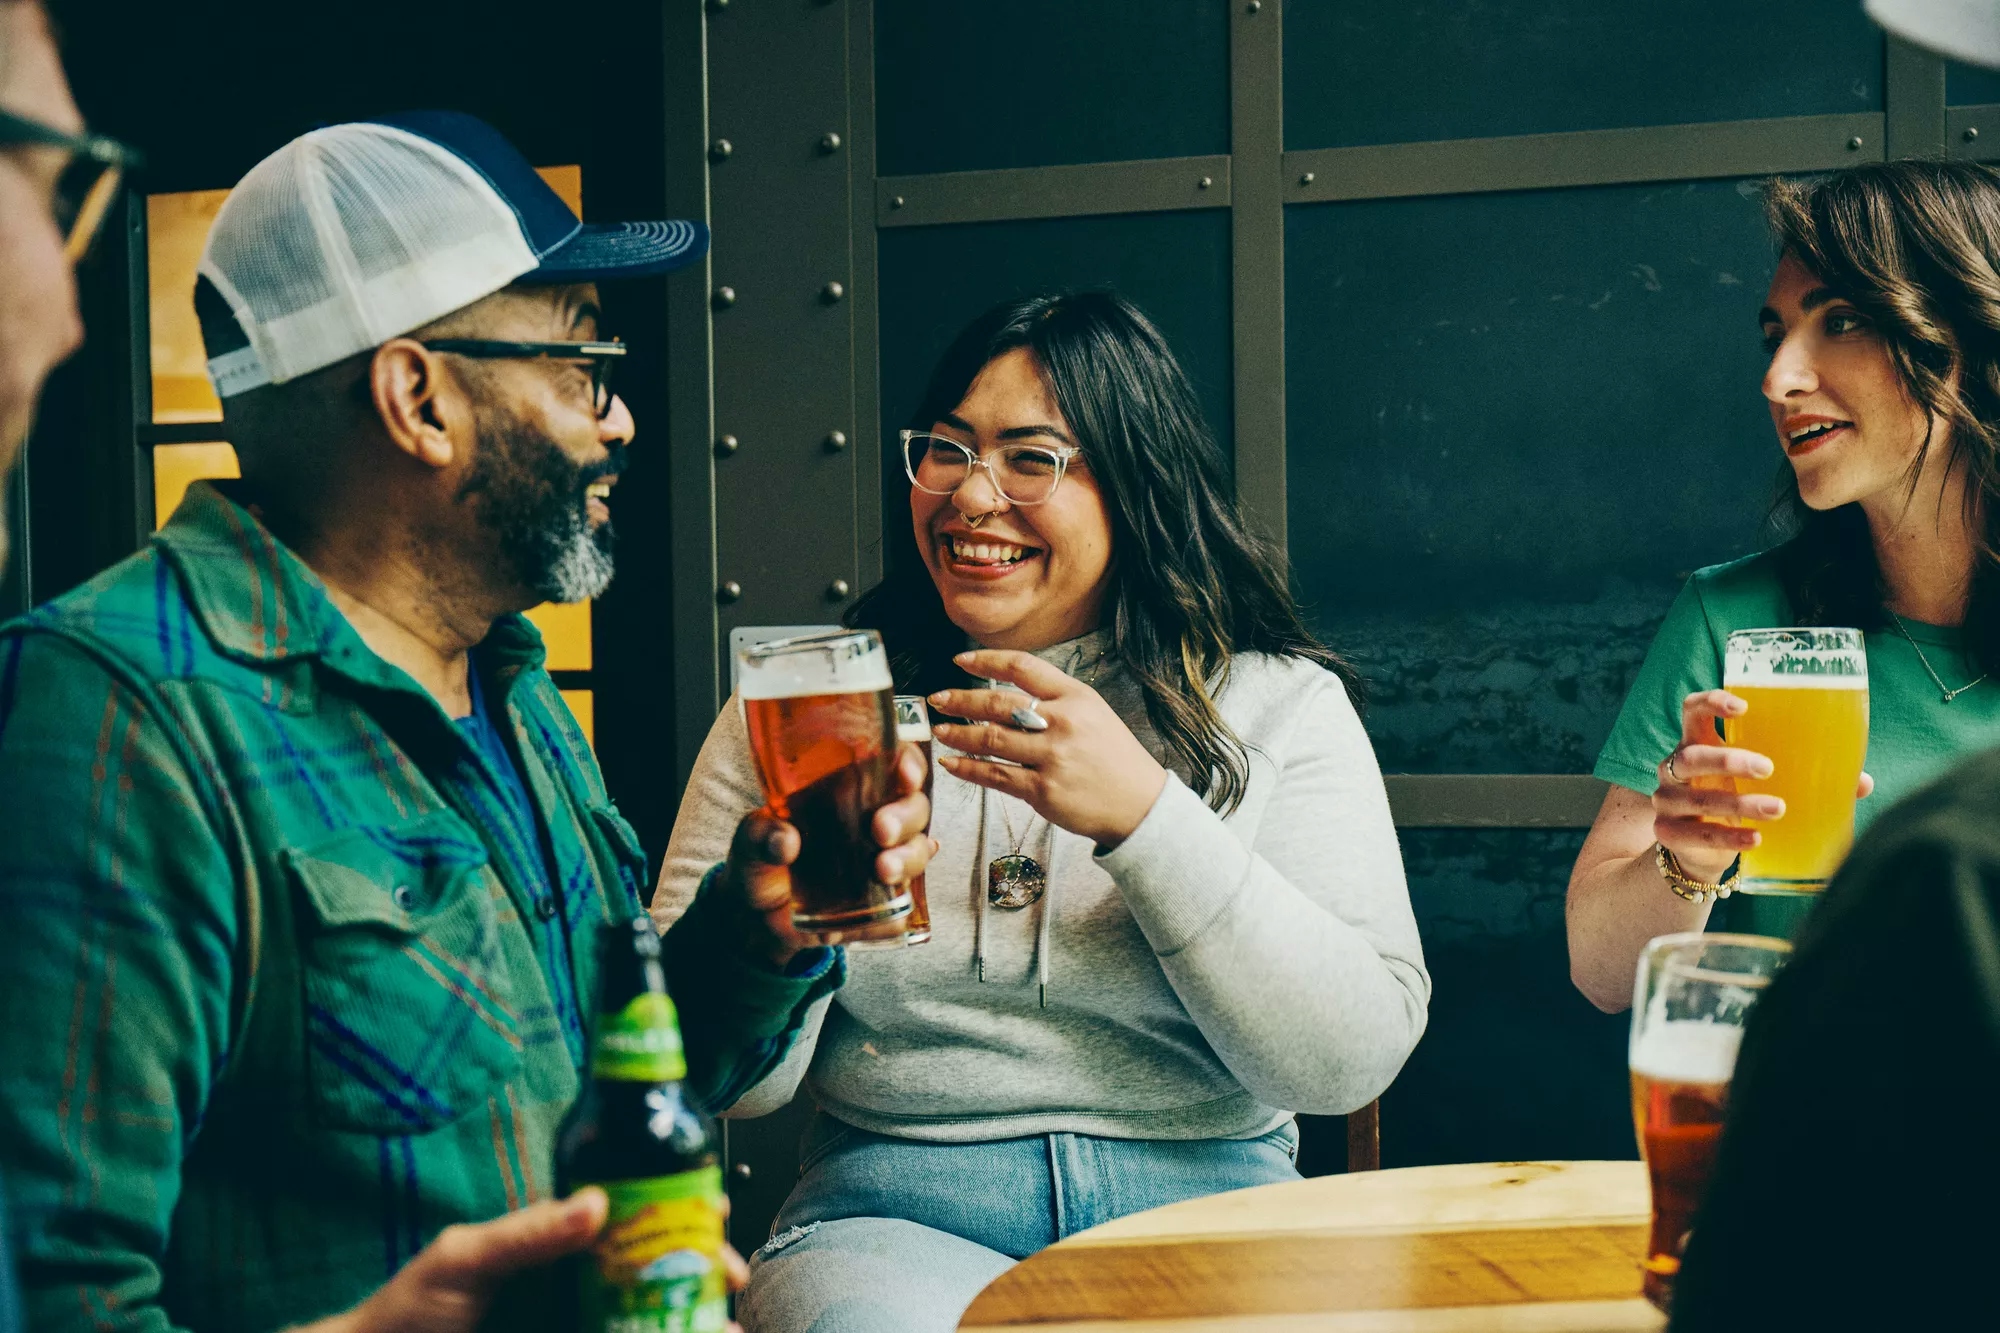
pixel 720 150
pixel 835 441
pixel 727 445
pixel 1253 6
pixel 1205 182
pixel 896 201
pixel 1854 144
pixel 1971 133
pixel 741 1170
pixel 832 292
pixel 724 298
pixel 837 590
pixel 829 142
pixel 731 591
pixel 1306 178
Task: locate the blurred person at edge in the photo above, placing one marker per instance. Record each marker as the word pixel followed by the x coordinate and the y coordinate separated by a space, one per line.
pixel 1884 394
pixel 39 324
pixel 300 849
pixel 1219 935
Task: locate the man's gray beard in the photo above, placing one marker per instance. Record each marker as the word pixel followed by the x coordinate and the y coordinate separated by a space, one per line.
pixel 581 572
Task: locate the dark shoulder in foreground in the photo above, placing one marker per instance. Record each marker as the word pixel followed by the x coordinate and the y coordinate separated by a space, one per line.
pixel 1850 1182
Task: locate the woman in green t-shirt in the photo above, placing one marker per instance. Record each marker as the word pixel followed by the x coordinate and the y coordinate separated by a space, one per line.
pixel 1883 323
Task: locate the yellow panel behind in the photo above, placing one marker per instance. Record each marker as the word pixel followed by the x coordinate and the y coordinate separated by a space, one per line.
pixel 179 466
pixel 584 704
pixel 566 631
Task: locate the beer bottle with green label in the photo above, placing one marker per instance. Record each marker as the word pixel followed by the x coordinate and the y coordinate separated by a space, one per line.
pixel 658 1266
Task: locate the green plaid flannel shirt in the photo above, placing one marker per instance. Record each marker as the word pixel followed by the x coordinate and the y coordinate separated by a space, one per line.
pixel 278 999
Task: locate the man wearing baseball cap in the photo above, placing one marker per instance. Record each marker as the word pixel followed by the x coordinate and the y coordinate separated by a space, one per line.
pixel 303 854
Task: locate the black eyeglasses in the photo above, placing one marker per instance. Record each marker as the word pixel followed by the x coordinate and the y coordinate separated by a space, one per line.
pixel 88 184
pixel 601 356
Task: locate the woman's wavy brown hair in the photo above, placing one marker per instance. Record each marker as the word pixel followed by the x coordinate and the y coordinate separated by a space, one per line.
pixel 1191 585
pixel 1915 247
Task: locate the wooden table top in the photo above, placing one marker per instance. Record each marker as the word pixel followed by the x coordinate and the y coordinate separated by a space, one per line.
pixel 1501 1247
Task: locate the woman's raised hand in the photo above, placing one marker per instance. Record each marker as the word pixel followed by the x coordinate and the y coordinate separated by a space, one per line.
pixel 1086 773
pixel 1697 796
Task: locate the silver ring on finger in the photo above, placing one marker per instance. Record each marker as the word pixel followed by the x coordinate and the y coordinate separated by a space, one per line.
pixel 1673 772
pixel 1027 719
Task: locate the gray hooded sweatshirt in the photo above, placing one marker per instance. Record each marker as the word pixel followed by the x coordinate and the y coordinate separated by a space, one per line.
pixel 1205 979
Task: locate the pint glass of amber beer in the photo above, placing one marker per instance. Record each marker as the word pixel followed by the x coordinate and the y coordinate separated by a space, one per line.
pixel 823 732
pixel 913 726
pixel 1693 994
pixel 1807 691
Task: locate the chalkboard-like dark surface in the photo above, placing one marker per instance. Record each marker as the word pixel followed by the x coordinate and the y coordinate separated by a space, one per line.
pixel 1969 85
pixel 974 84
pixel 1174 266
pixel 1516 422
pixel 1363 72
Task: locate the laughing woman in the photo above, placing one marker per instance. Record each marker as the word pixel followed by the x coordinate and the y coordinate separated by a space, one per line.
pixel 1214 933
pixel 1883 327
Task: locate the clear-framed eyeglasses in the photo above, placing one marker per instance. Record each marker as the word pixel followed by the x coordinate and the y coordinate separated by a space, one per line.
pixel 1024 474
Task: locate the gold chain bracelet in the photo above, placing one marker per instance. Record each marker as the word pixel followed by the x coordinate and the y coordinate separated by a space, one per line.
pixel 1694 890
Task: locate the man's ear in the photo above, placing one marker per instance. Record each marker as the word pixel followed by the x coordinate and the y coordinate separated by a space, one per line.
pixel 421 405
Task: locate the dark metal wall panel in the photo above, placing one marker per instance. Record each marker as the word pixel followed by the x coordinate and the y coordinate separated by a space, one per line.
pixel 1509 800
pixel 1967 85
pixel 1973 132
pixel 1257 260
pixel 1020 193
pixel 1514 1064
pixel 1362 72
pixel 1915 84
pixel 966 85
pixel 690 404
pixel 781 209
pixel 1584 157
pixel 1516 422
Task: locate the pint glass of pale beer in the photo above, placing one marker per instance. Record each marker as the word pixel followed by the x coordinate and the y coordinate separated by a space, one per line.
pixel 1692 996
pixel 913 726
pixel 1807 691
pixel 823 732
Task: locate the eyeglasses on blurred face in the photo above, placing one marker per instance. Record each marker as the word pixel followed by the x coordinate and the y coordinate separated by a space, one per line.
pixel 599 356
pixel 89 181
pixel 1024 474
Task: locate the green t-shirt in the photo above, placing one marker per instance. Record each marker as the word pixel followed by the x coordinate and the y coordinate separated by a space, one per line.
pixel 1912 736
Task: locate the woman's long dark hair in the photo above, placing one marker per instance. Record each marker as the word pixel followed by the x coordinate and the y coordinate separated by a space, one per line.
pixel 1191 586
pixel 1915 246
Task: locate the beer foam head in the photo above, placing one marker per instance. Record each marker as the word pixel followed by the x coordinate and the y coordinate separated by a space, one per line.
pixel 1687 1052
pixel 918 732
pixel 849 662
pixel 1803 658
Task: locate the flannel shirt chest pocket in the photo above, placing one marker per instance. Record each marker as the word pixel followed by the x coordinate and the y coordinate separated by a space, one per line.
pixel 410 1020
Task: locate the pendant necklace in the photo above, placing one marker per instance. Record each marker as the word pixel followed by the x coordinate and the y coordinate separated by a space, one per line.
pixel 1944 695
pixel 1015 881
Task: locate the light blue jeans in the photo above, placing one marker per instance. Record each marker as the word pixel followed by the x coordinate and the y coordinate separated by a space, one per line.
pixel 888 1235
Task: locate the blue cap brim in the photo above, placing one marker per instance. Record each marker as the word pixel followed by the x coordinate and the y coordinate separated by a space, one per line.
pixel 606 251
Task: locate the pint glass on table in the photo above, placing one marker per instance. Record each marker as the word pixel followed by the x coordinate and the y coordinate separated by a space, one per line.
pixel 1807 691
pixel 1692 996
pixel 913 726
pixel 823 732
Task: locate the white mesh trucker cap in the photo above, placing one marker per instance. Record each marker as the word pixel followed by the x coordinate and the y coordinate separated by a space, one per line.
pixel 355 234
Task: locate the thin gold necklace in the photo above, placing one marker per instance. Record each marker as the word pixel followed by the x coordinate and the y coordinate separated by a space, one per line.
pixel 1945 695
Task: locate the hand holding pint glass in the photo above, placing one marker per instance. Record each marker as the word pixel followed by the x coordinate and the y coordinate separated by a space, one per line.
pixel 822 730
pixel 1693 993
pixel 1779 787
